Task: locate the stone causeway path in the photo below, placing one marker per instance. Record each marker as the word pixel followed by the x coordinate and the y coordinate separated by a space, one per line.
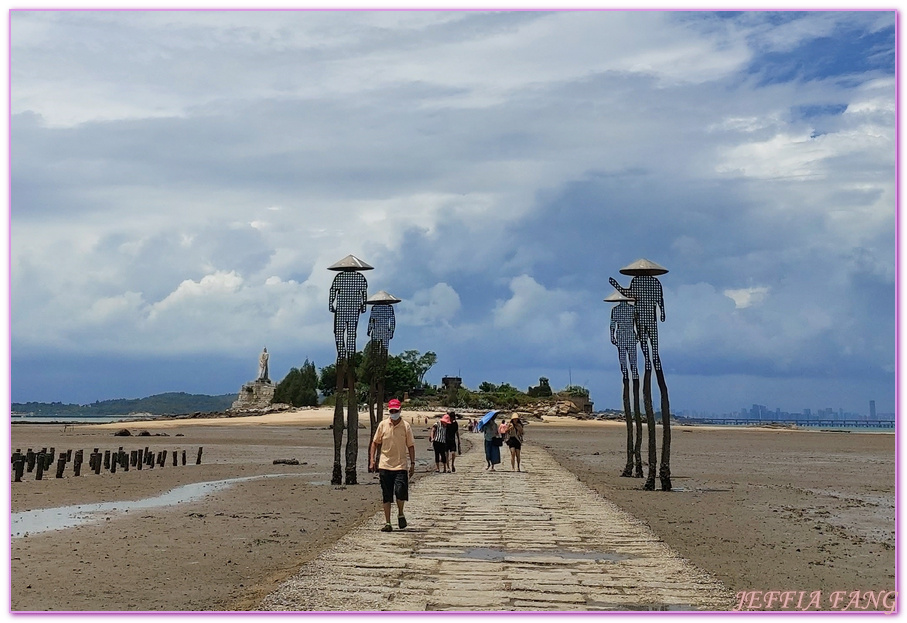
pixel 538 540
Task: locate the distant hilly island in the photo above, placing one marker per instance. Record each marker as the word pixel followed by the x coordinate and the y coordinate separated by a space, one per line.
pixel 171 403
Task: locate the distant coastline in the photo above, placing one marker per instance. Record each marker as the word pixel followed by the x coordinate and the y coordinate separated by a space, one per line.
pixel 171 403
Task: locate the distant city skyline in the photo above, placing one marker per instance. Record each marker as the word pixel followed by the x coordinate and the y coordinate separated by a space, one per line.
pixel 757 411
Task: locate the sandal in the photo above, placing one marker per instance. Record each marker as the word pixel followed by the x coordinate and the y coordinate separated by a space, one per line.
pixel 401 521
pixel 387 528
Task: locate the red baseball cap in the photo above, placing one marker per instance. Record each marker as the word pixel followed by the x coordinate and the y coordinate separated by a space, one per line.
pixel 393 404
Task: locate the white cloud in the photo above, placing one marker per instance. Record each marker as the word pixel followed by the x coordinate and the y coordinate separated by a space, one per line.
pixel 437 305
pixel 746 297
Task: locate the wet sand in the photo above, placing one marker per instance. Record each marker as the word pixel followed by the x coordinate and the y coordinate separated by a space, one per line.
pixel 759 509
pixel 751 500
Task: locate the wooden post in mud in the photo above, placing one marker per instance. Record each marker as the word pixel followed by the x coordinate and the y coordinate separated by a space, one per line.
pixel 39 466
pixel 174 458
pixel 30 460
pixel 61 464
pixel 198 459
pixel 139 458
pixel 49 458
pixel 77 463
pixel 106 459
pixel 68 455
pixel 184 457
pixel 18 462
pixel 113 464
pixel 133 458
pixel 124 461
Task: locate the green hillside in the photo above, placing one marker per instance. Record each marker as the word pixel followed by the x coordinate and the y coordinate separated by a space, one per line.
pixel 171 403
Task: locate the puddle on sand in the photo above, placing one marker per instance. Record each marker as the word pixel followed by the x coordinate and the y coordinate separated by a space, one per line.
pixel 62 517
pixel 487 553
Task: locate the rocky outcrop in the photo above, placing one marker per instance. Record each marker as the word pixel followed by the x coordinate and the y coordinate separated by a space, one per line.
pixel 254 396
pixel 556 408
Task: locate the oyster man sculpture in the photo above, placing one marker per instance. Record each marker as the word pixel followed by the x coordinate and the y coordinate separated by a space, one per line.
pixel 381 326
pixel 646 290
pixel 623 335
pixel 348 294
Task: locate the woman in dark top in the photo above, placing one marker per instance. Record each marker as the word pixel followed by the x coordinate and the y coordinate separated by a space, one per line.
pixel 453 439
pixel 515 441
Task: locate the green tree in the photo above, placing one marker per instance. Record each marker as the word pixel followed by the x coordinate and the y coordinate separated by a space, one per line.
pixel 368 363
pixel 327 380
pixel 420 364
pixel 487 387
pixel 299 387
pixel 399 377
pixel 576 390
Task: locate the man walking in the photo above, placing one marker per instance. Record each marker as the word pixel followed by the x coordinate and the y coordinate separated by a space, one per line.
pixel 395 437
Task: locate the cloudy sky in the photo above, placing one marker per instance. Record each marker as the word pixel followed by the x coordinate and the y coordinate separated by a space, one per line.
pixel 182 180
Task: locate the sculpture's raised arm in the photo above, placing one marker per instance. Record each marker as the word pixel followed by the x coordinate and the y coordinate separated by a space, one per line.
pixel 618 287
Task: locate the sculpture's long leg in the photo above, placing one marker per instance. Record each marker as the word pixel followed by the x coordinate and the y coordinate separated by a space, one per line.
pixel 650 424
pixel 628 468
pixel 637 450
pixel 352 427
pixel 337 474
pixel 665 469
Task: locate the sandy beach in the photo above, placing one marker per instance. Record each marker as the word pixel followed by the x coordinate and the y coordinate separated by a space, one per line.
pixel 758 509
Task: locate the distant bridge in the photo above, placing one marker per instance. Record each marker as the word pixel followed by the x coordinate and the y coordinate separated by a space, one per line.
pixel 812 423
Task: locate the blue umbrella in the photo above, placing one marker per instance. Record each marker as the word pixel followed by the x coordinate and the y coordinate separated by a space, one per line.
pixel 487 418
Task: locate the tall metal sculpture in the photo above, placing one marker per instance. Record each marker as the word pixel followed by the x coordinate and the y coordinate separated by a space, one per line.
pixel 381 326
pixel 623 335
pixel 349 291
pixel 646 290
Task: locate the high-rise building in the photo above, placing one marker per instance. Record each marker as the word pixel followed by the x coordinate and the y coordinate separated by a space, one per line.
pixel 872 409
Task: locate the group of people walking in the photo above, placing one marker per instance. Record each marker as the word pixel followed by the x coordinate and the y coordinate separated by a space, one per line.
pixel 510 433
pixel 445 441
pixel 393 452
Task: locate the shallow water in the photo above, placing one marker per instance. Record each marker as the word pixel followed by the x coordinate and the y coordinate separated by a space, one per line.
pixel 487 553
pixel 27 523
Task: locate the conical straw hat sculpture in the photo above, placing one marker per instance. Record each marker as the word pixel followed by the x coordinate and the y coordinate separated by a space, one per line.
pixel 643 267
pixel 382 298
pixel 617 297
pixel 349 263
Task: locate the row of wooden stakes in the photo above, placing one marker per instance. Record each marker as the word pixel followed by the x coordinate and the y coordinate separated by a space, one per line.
pixel 40 462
